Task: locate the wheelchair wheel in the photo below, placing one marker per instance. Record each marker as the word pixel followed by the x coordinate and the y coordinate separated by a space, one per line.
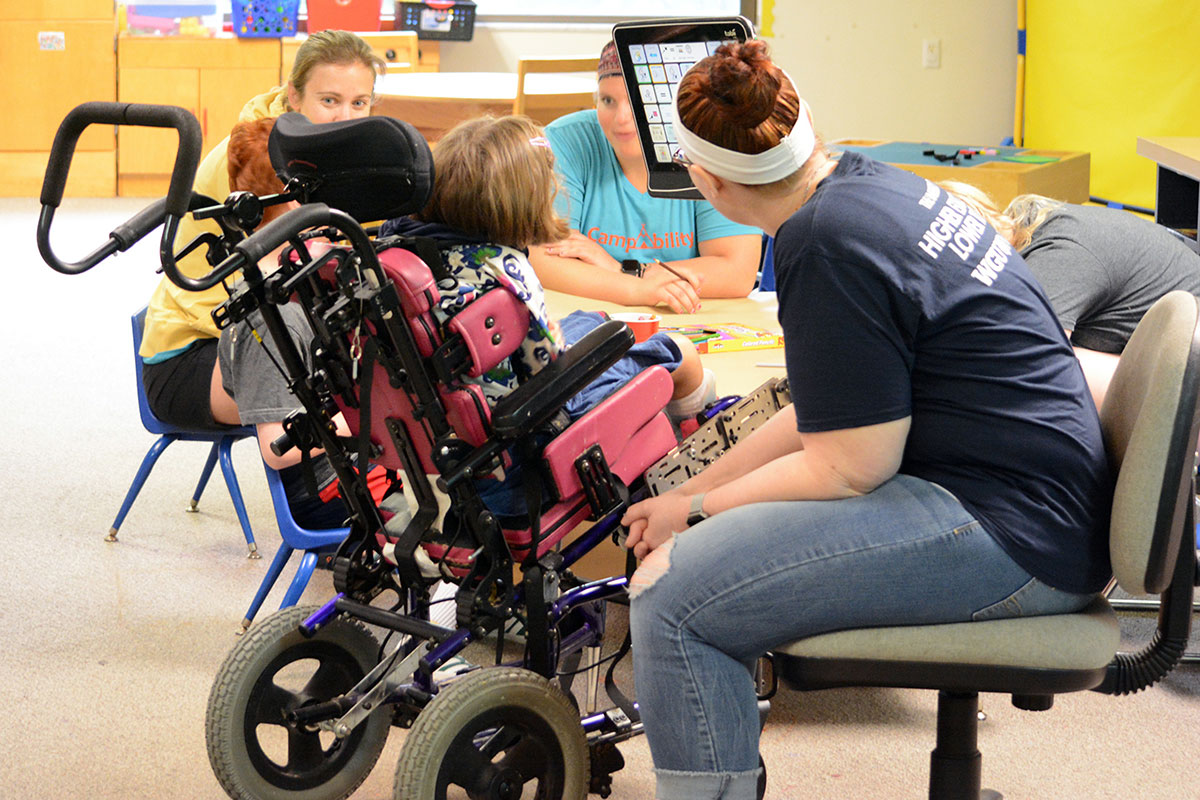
pixel 254 752
pixel 499 733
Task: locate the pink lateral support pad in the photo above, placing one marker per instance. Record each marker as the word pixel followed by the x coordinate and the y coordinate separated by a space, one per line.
pixel 628 425
pixel 492 327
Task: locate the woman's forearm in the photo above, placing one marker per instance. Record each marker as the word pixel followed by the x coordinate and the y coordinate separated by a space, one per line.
pixel 775 438
pixel 722 276
pixel 572 276
pixel 729 265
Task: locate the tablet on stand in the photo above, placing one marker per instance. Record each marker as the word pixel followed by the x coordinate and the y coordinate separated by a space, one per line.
pixel 654 55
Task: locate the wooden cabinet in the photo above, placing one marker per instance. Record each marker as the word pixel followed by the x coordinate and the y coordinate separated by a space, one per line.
pixel 56 55
pixel 212 78
pixel 392 46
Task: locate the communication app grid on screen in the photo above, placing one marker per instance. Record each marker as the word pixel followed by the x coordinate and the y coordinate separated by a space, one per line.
pixel 655 54
pixel 658 68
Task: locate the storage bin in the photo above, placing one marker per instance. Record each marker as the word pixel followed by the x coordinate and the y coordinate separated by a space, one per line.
pixel 169 19
pixel 345 15
pixel 452 20
pixel 272 19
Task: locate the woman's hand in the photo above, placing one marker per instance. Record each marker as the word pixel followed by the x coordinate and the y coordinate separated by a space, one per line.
pixel 657 286
pixel 655 520
pixel 676 286
pixel 576 245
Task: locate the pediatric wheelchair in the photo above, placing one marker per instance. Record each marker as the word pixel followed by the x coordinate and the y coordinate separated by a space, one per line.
pixel 303 704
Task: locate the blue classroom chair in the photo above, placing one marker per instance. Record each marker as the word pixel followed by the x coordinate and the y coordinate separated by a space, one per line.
pixel 312 545
pixel 221 442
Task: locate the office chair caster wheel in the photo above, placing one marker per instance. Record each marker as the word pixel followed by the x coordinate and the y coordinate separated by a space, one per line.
pixel 496 733
pixel 254 751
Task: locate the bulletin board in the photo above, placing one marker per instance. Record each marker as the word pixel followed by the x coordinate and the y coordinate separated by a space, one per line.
pixel 1100 73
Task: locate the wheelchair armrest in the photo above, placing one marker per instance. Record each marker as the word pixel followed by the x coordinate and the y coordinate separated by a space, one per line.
pixel 541 397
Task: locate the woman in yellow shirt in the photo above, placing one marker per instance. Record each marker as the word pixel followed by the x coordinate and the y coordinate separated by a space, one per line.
pixel 333 78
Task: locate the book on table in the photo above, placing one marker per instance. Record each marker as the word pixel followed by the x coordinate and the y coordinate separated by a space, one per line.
pixel 726 337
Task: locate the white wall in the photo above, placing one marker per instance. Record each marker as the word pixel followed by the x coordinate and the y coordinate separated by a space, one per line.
pixel 496 47
pixel 857 62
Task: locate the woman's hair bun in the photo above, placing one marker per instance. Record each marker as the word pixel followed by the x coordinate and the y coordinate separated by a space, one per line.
pixel 742 83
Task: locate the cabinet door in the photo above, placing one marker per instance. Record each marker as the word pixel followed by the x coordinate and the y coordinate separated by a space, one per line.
pixel 58 9
pixel 149 151
pixel 41 85
pixel 223 94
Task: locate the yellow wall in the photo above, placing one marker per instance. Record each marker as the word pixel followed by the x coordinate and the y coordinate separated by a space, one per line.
pixel 1100 73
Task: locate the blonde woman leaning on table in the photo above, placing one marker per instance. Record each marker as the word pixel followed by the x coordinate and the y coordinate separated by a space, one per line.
pixel 333 79
pixel 616 225
pixel 1101 268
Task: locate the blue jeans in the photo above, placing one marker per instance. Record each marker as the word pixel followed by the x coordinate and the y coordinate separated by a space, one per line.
pixel 757 576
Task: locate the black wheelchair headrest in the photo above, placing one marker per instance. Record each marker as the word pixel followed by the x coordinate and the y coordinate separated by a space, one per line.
pixel 372 168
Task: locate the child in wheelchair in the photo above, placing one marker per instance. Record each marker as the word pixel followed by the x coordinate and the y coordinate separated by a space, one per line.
pixel 493 198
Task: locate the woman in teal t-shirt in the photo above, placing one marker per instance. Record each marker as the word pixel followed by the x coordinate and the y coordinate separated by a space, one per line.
pixel 619 234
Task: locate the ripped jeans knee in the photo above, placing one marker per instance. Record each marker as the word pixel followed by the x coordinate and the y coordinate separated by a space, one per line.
pixel 653 567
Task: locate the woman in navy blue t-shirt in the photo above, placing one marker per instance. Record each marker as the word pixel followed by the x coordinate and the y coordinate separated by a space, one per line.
pixel 942 460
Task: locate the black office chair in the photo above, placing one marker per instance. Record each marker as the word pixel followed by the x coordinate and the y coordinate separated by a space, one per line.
pixel 1150 428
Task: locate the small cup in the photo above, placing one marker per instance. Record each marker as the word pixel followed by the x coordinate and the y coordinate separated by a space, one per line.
pixel 643 325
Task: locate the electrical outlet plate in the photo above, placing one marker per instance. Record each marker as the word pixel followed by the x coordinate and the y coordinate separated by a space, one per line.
pixel 931 53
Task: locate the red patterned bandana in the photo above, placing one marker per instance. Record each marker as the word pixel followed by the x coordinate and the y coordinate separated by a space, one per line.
pixel 610 65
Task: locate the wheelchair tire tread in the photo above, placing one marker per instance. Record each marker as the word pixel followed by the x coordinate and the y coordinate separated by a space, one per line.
pixel 265 641
pixel 461 702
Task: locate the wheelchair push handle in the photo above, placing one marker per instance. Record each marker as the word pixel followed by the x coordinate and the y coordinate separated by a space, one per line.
pixel 63 150
pixel 248 252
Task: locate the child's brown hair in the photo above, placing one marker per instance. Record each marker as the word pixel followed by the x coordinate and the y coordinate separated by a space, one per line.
pixel 494 178
pixel 249 164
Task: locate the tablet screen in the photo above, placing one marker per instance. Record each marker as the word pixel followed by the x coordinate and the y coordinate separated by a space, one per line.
pixel 654 56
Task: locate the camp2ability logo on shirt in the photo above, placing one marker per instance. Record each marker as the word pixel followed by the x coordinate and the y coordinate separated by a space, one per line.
pixel 644 240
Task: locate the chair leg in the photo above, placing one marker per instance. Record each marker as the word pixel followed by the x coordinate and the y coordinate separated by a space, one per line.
pixel 955 765
pixel 204 475
pixel 307 563
pixel 268 582
pixel 139 479
pixel 235 494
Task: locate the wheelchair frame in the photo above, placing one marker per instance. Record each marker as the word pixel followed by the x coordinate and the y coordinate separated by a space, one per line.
pixel 509 723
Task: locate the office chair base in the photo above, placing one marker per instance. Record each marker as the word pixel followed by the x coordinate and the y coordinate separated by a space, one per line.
pixel 955 763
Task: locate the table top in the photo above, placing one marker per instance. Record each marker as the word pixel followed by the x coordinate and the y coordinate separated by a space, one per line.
pixel 737 372
pixel 909 154
pixel 1180 153
pixel 478 86
pixel 1002 172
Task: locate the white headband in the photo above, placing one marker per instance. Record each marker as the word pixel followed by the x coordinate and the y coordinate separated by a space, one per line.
pixel 752 169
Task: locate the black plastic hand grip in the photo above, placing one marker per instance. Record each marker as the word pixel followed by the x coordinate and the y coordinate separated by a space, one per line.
pixel 133 229
pixel 279 231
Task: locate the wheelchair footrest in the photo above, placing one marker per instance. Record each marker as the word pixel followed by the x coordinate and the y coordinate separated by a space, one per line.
pixel 714 437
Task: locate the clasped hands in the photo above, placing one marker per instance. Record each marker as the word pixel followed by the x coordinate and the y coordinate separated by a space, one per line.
pixel 654 520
